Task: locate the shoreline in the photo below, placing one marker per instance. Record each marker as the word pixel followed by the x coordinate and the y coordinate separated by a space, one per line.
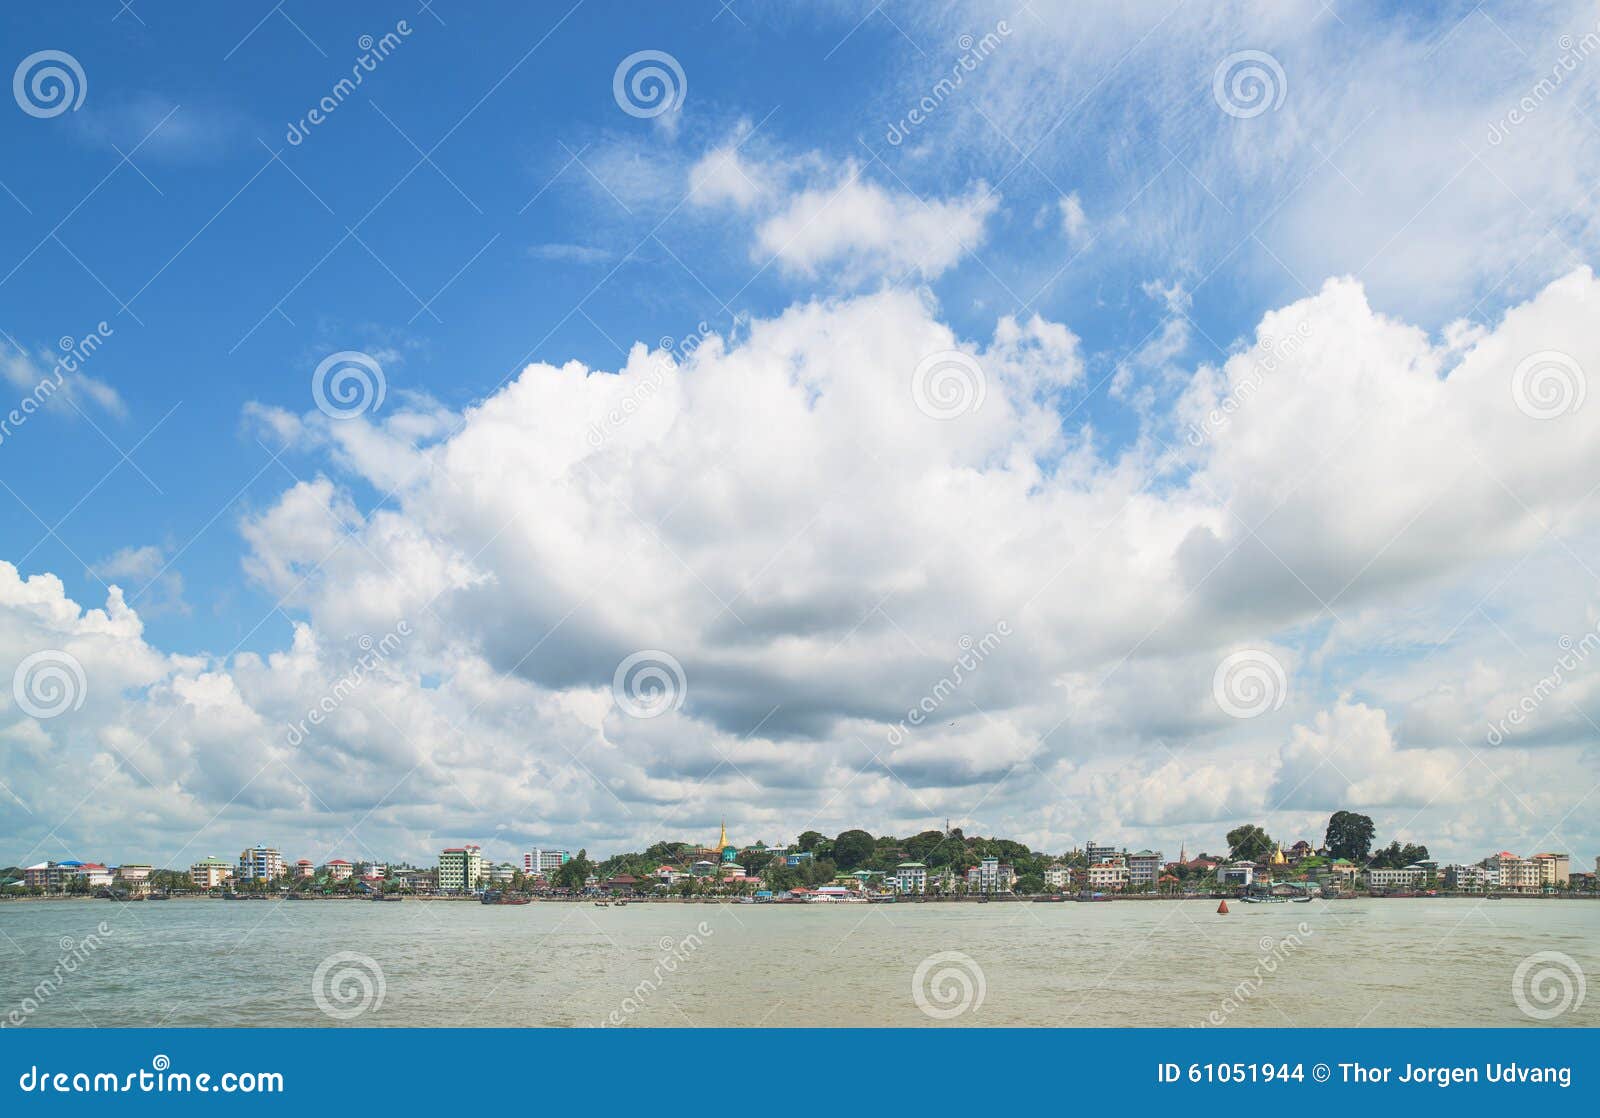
pixel 606 901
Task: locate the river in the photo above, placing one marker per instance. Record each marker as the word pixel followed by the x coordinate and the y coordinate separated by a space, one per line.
pixel 1445 962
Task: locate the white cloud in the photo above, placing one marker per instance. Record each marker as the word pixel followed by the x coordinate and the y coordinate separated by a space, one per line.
pixel 1074 222
pixel 859 230
pixel 779 515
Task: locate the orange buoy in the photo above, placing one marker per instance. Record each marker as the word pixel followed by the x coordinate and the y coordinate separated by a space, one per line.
pixel 1222 909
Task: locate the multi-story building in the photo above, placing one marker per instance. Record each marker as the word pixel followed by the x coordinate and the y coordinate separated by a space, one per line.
pixel 793 861
pixel 1108 875
pixel 1467 879
pixel 546 862
pixel 461 868
pixel 1554 869
pixel 911 877
pixel 1144 867
pixel 991 876
pixel 1097 853
pixel 1394 879
pixel 1057 875
pixel 49 876
pixel 261 863
pixel 340 870
pixel 1508 873
pixel 1237 873
pixel 503 874
pixel 93 873
pixel 208 873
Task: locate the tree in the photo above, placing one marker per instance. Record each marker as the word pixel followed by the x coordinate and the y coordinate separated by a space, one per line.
pixel 574 872
pixel 1250 843
pixel 808 840
pixel 852 848
pixel 1349 835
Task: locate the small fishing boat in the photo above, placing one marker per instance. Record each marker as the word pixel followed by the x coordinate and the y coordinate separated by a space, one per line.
pixel 494 897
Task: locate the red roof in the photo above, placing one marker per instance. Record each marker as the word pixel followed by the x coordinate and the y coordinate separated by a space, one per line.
pixel 338 862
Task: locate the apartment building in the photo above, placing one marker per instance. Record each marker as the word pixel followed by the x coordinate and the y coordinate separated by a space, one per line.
pixel 461 868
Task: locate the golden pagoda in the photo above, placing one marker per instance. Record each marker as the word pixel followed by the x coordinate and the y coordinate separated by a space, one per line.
pixel 1278 858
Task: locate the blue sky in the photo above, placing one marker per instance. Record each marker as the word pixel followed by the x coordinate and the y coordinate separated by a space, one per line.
pixel 1111 231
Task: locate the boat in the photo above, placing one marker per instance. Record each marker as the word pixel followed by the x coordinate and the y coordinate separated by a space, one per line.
pixel 1302 900
pixel 602 904
pixel 389 897
pixel 493 897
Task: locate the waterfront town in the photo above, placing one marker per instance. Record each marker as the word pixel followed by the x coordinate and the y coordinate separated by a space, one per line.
pixel 851 866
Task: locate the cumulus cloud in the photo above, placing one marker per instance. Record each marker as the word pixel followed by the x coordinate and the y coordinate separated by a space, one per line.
pixel 780 512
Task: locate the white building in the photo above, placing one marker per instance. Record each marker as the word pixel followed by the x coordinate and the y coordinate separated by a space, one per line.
pixel 1057 875
pixel 1237 873
pixel 546 862
pixel 340 870
pixel 1471 879
pixel 989 876
pixel 503 874
pixel 911 877
pixel 1108 875
pixel 1392 879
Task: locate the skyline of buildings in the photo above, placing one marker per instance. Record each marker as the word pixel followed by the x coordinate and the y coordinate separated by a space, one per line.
pixel 465 869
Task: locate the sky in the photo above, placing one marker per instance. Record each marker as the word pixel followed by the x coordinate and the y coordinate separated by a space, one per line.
pixel 577 424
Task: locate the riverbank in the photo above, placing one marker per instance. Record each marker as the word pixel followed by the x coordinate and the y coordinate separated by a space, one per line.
pixel 902 900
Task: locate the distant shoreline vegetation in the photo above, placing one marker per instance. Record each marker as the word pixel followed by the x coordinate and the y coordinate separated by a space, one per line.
pixel 855 864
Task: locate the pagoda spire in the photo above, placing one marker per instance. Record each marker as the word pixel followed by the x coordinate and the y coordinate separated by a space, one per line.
pixel 722 840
